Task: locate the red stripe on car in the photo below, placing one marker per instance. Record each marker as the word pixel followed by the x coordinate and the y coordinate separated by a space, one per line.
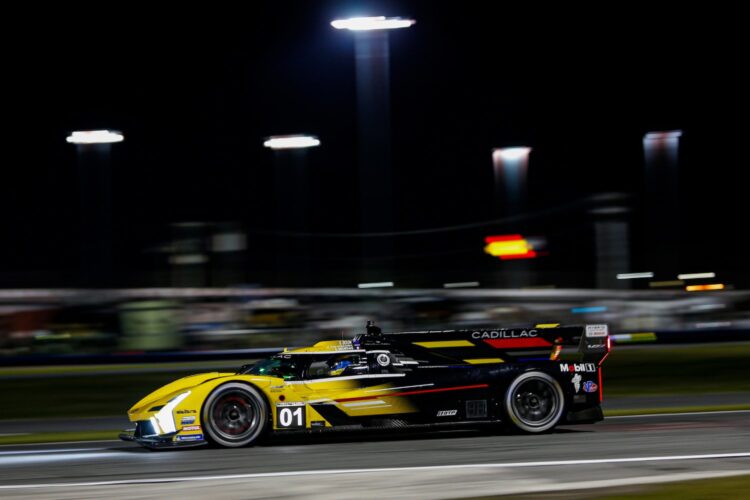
pixel 518 343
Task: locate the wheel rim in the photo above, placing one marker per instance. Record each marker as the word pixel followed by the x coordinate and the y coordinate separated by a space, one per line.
pixel 235 415
pixel 535 402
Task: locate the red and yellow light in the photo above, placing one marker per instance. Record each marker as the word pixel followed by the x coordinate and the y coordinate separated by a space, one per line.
pixel 509 246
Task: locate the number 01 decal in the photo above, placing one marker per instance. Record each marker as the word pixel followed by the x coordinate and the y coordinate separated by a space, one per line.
pixel 290 416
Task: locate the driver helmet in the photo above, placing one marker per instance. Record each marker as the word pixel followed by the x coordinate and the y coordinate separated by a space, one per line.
pixel 339 366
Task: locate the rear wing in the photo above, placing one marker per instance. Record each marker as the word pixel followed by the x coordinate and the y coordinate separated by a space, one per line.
pixel 543 342
pixel 596 343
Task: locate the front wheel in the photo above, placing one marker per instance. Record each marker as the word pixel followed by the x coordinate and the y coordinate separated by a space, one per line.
pixel 235 415
pixel 534 402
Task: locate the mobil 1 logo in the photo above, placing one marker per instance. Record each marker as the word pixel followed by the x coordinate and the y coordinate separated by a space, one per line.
pixel 290 415
pixel 578 367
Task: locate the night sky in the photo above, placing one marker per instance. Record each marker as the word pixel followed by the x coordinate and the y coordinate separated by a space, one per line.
pixel 195 93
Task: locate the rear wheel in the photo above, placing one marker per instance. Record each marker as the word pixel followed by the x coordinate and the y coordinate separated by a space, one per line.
pixel 534 402
pixel 235 415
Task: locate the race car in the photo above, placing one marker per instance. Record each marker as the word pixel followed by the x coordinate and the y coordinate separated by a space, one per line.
pixel 528 379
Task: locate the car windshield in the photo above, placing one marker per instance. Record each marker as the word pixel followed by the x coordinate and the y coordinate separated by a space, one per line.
pixel 283 366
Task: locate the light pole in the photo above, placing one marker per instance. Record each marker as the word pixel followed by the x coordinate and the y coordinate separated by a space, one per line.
pixel 510 168
pixel 290 173
pixel 94 157
pixel 372 60
pixel 612 247
pixel 662 200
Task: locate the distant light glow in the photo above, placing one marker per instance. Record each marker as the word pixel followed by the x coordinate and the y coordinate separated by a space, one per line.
pixel 705 288
pixel 461 284
pixel 372 23
pixel 95 137
pixel 634 276
pixel 587 310
pixel 663 136
pixel 662 284
pixel 504 237
pixel 509 246
pixel 714 324
pixel 624 338
pixel 291 141
pixel 188 259
pixel 381 284
pixel 511 154
pixel 229 242
pixel 695 276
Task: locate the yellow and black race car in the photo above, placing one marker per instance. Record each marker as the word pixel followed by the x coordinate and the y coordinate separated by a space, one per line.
pixel 530 379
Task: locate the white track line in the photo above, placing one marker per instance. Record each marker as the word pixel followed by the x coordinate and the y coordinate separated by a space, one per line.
pixel 58 450
pixel 684 414
pixel 376 470
pixel 29 459
pixel 49 443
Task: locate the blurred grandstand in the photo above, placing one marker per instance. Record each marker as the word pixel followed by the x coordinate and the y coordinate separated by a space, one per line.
pixel 49 324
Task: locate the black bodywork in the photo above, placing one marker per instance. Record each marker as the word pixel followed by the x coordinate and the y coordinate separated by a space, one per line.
pixel 441 380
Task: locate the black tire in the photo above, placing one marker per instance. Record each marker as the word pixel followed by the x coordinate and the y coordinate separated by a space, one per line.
pixel 534 402
pixel 235 415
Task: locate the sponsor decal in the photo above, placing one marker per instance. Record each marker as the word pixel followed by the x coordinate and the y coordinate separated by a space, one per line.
pixel 595 347
pixel 292 403
pixel 187 420
pixel 183 412
pixel 191 437
pixel 590 386
pixel 317 423
pixel 447 413
pixel 576 382
pixel 191 428
pixel 578 367
pixel 504 334
pixel 383 359
pixel 596 331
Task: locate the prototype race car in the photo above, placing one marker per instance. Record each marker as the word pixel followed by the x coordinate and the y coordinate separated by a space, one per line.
pixel 530 379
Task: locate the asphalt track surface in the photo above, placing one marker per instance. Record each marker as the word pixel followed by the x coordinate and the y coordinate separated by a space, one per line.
pixel 448 464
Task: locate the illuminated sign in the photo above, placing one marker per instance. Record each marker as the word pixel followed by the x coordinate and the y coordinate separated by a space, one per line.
pixel 509 246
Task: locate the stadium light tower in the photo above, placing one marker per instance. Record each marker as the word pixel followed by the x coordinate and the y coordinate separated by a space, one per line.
pixel 372 63
pixel 94 158
pixel 296 141
pixel 290 162
pixel 662 200
pixel 374 23
pixel 83 137
pixel 511 165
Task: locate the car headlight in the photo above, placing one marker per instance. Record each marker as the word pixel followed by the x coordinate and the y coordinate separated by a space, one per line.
pixel 164 420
